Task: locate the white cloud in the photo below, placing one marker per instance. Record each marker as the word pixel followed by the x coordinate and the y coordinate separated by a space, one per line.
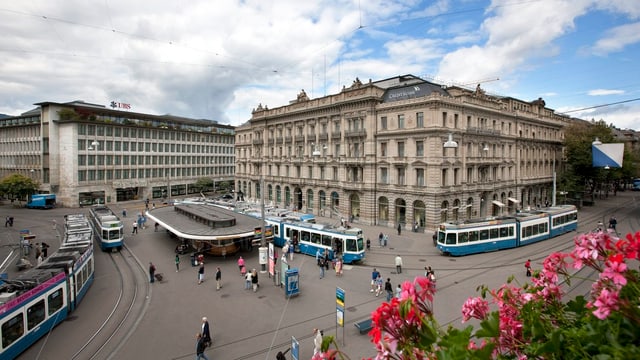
pixel 600 92
pixel 617 38
pixel 218 60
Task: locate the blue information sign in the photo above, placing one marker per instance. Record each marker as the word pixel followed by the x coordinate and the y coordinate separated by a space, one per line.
pixel 292 284
pixel 295 348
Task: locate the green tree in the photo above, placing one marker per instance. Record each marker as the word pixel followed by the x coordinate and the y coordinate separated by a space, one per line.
pixel 580 176
pixel 16 186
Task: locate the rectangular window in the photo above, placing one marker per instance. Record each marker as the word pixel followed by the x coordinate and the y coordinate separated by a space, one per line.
pixel 384 176
pixel 419 148
pixel 401 180
pixel 383 149
pixel 420 177
pixel 420 119
pixel 383 123
pixel 400 121
pixel 400 149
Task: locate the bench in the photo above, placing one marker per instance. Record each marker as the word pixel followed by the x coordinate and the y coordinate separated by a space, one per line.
pixel 364 326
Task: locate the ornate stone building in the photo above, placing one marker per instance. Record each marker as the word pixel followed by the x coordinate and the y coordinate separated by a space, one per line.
pixel 401 151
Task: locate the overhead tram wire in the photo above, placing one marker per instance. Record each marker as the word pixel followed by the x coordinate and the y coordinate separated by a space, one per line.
pixel 602 105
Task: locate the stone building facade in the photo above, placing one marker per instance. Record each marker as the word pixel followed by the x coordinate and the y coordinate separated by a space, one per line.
pixel 401 151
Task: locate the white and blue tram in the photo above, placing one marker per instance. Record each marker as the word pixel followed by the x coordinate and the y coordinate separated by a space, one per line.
pixel 40 298
pixel 308 238
pixel 108 228
pixel 523 228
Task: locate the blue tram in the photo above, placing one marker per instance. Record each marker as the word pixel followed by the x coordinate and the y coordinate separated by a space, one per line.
pixel 523 228
pixel 40 298
pixel 108 228
pixel 308 238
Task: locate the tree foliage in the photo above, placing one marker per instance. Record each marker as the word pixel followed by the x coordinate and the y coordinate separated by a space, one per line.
pixel 16 186
pixel 580 176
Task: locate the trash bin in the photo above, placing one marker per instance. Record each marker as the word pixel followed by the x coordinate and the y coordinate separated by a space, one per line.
pixel 194 262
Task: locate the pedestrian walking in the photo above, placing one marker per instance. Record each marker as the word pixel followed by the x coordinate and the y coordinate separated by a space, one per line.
pixel 399 229
pixel 38 250
pixel 45 249
pixel 254 280
pixel 152 272
pixel 10 221
pixel 398 264
pixel 247 281
pixel 339 266
pixel 317 342
pixel 201 273
pixel 124 212
pixel 155 227
pixel 200 347
pixel 380 237
pixel 291 248
pixel 374 275
pixel 321 266
pixel 205 331
pixel 379 285
pixel 134 230
pixel 527 266
pixel 613 222
pixel 177 262
pixel 399 292
pixel 6 222
pixel 218 278
pixel 240 264
pixel 388 288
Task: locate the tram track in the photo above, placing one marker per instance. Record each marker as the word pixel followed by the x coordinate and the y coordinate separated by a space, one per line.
pixel 127 310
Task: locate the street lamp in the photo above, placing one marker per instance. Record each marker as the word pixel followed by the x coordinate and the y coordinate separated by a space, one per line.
pixel 450 144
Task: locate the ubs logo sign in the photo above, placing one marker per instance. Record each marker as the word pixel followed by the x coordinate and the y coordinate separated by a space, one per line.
pixel 118 105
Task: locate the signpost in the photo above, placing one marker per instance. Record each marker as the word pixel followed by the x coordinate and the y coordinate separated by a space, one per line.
pixel 340 311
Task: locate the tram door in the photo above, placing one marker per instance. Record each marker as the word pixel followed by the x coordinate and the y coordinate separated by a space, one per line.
pixel 337 245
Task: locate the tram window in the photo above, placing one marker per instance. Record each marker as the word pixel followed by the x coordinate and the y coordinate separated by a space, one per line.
pixel 484 234
pixel 451 238
pixel 287 232
pixel 304 236
pixel 463 237
pixel 55 301
pixel 527 231
pixel 545 228
pixel 493 233
pixel 35 314
pixel 315 238
pixel 504 231
pixel 534 230
pixel 326 240
pixel 473 236
pixel 352 245
pixel 12 330
pixel 360 244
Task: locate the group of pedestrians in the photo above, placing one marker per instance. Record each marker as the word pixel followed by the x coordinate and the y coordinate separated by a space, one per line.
pixel 250 277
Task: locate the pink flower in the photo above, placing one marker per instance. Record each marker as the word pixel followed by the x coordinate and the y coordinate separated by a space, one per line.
pixel 477 308
pixel 614 270
pixel 605 303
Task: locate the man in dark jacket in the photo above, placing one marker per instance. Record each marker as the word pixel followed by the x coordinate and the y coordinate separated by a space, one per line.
pixel 200 346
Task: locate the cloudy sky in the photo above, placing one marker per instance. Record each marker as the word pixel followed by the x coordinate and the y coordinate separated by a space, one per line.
pixel 219 59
